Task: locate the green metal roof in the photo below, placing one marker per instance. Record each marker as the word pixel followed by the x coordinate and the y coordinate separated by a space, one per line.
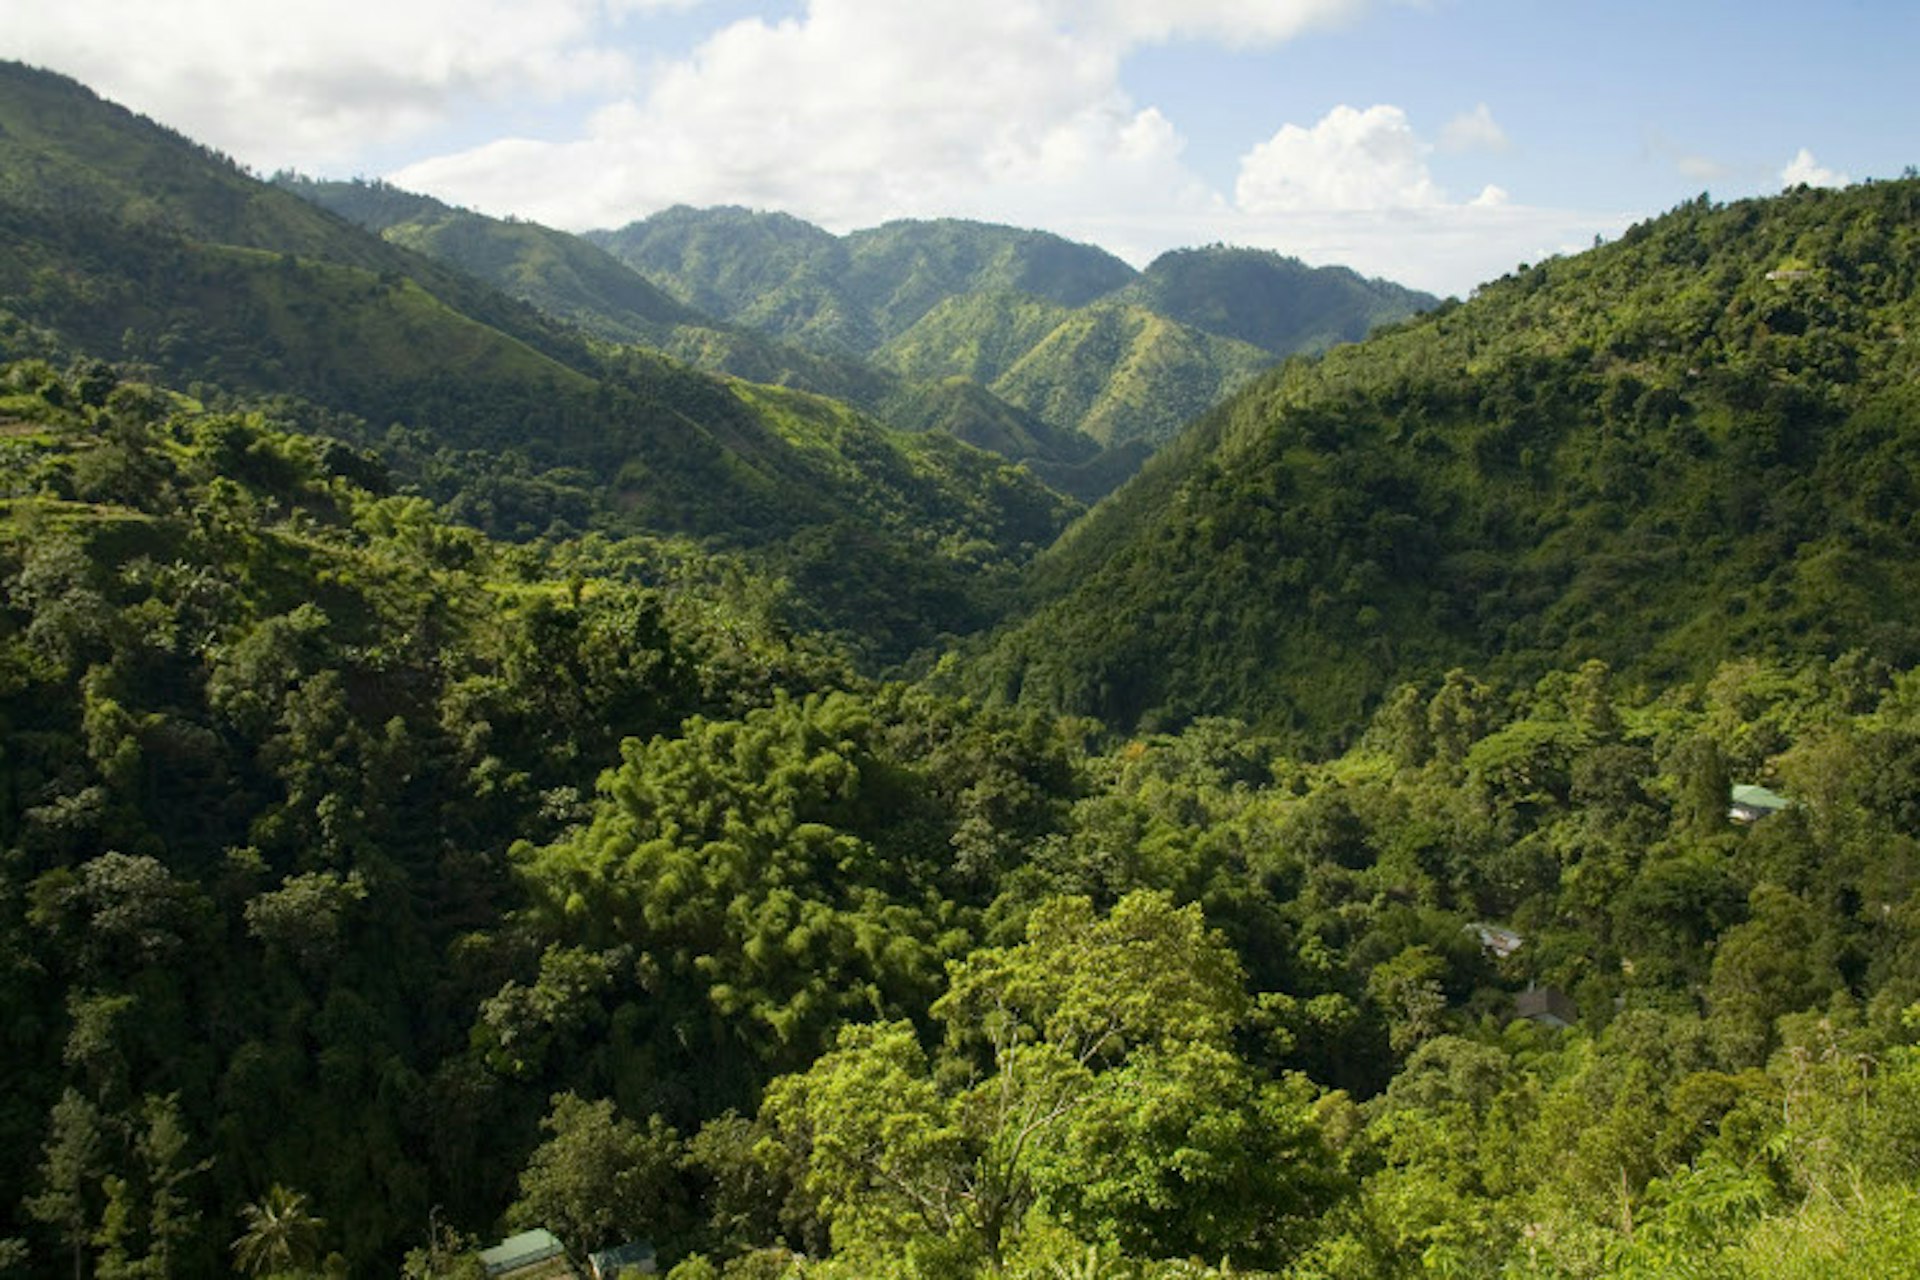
pixel 522 1250
pixel 1759 797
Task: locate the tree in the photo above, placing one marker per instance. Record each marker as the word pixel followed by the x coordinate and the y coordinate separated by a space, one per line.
pixel 1772 963
pixel 149 1220
pixel 447 1255
pixel 601 1179
pixel 171 1219
pixel 75 1159
pixel 278 1234
pixel 1088 1070
pixel 305 917
pixel 1408 990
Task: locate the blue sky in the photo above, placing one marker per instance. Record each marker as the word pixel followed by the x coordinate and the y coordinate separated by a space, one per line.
pixel 1438 142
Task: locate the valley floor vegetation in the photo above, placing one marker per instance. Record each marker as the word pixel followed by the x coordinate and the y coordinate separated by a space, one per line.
pixel 371 888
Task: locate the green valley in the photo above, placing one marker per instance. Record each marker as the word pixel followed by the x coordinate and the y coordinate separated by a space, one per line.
pixel 513 419
pixel 504 739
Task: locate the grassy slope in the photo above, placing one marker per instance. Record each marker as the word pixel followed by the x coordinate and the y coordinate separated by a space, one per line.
pixel 1125 374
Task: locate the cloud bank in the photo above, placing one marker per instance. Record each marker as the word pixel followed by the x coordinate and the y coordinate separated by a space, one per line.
pixel 864 110
pixel 848 114
pixel 317 82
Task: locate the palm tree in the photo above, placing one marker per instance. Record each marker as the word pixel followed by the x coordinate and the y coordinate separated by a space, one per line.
pixel 280 1234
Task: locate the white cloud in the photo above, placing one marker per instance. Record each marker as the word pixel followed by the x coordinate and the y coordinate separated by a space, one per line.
pixel 1445 250
pixel 847 113
pixel 1351 159
pixel 1235 22
pixel 317 82
pixel 1475 130
pixel 1355 188
pixel 866 109
pixel 1803 168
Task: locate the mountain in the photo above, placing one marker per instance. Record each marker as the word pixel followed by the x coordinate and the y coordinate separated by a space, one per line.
pixel 790 279
pixel 572 279
pixel 125 242
pixel 1276 303
pixel 1119 373
pixel 1066 332
pixel 562 275
pixel 769 271
pixel 1697 444
pixel 901 270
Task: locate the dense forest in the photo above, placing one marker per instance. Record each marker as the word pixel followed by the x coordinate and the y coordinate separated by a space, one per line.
pixel 505 778
pixel 1689 447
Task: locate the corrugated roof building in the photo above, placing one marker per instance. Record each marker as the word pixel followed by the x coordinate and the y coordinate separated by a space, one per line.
pixel 531 1255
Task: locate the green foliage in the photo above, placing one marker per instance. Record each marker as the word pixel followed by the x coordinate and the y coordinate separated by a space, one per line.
pixel 775 875
pixel 304 722
pixel 1085 1070
pixel 1651 454
pixel 515 421
pixel 306 881
pixel 1278 304
pixel 600 1180
pixel 278 1234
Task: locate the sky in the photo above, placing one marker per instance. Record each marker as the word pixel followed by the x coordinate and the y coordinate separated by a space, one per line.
pixel 1435 142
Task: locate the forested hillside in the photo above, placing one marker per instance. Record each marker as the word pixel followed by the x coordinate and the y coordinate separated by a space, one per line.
pixel 517 422
pixel 790 278
pixel 1689 447
pixel 1122 374
pixel 1275 303
pixel 572 279
pixel 313 916
pixel 1453 814
pixel 1092 352
pixel 1065 332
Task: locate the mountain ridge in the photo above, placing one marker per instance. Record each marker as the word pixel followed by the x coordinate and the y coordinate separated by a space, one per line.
pixel 908 293
pixel 508 416
pixel 1704 428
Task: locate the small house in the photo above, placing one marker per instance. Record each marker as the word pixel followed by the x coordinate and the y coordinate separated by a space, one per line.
pixel 531 1255
pixel 634 1258
pixel 1495 940
pixel 1547 1006
pixel 1750 803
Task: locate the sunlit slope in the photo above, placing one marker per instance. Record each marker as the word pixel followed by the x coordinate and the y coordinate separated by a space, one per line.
pixel 1700 442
